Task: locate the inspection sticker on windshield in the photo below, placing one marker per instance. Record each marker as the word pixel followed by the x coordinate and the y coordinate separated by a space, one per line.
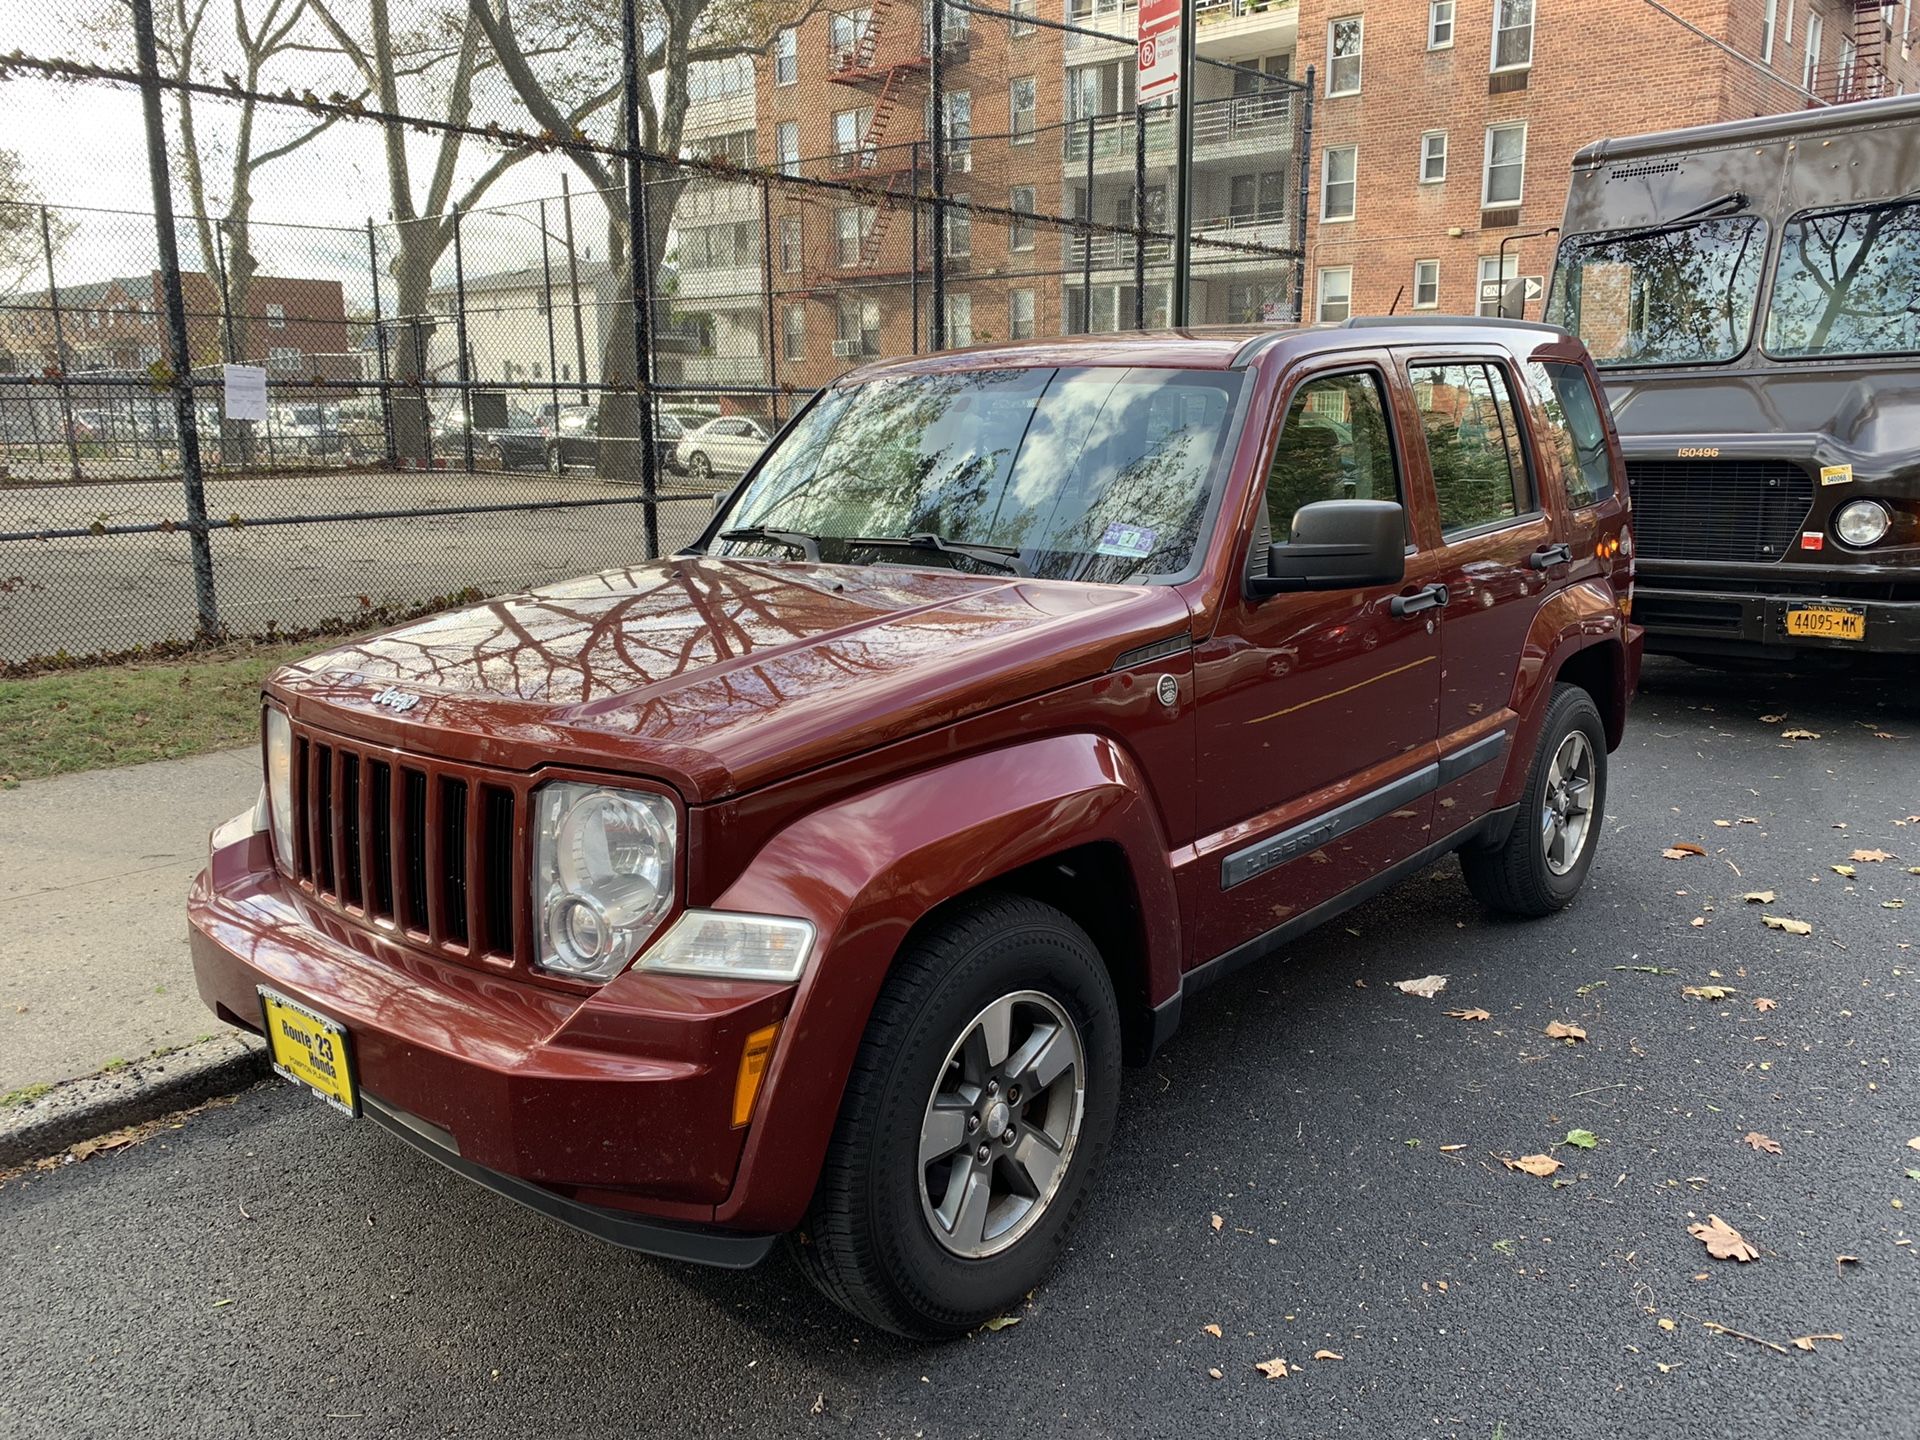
pixel 1836 474
pixel 1133 541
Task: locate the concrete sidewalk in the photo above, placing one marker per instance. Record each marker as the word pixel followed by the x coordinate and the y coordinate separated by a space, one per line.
pixel 94 871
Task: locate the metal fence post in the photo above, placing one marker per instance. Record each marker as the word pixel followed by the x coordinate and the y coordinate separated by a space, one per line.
pixel 573 281
pixel 913 260
pixel 460 338
pixel 937 319
pixel 640 260
pixel 380 349
pixel 766 271
pixel 160 175
pixel 59 344
pixel 1086 238
pixel 1303 157
pixel 1183 169
pixel 546 290
pixel 1139 217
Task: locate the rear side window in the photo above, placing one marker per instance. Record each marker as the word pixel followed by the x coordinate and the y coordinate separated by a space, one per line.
pixel 1565 396
pixel 1473 442
pixel 1334 446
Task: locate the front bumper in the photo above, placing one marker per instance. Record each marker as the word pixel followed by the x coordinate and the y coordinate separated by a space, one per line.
pixel 606 1110
pixel 1741 622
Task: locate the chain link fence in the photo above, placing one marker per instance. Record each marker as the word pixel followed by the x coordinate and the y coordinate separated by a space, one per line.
pixel 475 393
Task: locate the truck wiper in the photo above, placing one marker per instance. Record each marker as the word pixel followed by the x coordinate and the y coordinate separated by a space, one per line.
pixel 1000 556
pixel 800 540
pixel 1732 200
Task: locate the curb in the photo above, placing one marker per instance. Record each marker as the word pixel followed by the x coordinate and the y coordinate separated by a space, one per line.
pixel 95 1104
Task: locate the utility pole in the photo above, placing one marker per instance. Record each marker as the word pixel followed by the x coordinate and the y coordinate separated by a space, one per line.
pixel 1183 171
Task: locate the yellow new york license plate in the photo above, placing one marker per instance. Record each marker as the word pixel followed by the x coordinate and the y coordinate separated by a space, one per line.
pixel 1827 622
pixel 310 1049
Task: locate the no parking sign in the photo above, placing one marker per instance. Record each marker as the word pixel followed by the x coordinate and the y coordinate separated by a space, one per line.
pixel 1159 36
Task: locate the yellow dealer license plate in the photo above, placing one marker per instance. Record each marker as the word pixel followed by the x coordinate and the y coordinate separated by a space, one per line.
pixel 1827 622
pixel 310 1049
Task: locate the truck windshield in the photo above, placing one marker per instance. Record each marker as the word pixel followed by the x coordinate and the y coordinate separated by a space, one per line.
pixel 1677 295
pixel 1846 283
pixel 1094 473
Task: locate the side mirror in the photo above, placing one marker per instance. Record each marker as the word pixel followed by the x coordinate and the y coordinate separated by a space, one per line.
pixel 1338 545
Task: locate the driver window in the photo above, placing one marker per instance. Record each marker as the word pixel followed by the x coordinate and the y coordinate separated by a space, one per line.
pixel 1334 446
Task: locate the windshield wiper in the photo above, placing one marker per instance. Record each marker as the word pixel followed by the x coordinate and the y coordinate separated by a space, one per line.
pixel 1002 557
pixel 1732 200
pixel 807 545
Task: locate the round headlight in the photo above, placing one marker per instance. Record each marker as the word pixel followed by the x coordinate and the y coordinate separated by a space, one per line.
pixel 604 875
pixel 1862 522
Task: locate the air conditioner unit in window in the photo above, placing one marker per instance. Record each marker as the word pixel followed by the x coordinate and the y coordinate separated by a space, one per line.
pixel 960 163
pixel 846 349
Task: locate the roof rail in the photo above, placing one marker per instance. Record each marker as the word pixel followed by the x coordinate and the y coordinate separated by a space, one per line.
pixel 1392 322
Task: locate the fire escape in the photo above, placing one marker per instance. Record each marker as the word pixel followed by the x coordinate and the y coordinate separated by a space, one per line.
pixel 889 78
pixel 1861 73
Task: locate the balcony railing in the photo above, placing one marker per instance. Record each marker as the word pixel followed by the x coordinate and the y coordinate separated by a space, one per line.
pixel 1231 120
pixel 1211 12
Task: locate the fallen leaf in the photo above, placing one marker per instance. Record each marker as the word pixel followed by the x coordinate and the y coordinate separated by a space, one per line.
pixel 1706 992
pixel 1449 1149
pixel 1697 921
pixel 1001 1322
pixel 1771 719
pixel 1474 1014
pixel 1541 1165
pixel 1846 1259
pixel 1758 897
pixel 1581 1139
pixel 1914 1144
pixel 1792 927
pixel 1426 987
pixel 1723 1242
pixel 1681 849
pixel 1274 1369
pixel 1216 1222
pixel 1213 1330
pixel 1799 734
pixel 1328 1355
pixel 1763 1003
pixel 1764 1143
pixel 1215 1372
pixel 1665 1324
pixel 1724 824
pixel 1846 870
pixel 1666 1369
pixel 1893 904
pixel 1805 1342
pixel 1871 856
pixel 1560 1030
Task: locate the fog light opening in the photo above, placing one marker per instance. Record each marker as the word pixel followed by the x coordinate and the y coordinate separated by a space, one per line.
pixel 754 1056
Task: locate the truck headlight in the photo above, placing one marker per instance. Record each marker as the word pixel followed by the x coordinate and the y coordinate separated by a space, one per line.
pixel 1862 522
pixel 280 784
pixel 726 946
pixel 603 875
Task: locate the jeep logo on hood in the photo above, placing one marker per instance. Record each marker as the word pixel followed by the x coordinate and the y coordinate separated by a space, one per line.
pixel 398 701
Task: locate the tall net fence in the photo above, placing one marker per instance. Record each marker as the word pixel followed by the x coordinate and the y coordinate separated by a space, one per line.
pixel 519 319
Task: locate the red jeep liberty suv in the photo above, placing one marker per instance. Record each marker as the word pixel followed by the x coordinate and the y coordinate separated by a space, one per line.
pixel 818 878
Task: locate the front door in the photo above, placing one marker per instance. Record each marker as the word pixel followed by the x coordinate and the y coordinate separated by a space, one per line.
pixel 1498 559
pixel 1316 710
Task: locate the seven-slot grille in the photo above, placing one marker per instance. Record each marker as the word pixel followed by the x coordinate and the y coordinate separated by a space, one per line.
pixel 1746 510
pixel 423 844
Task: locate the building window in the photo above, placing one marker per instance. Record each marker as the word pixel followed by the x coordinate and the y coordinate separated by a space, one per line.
pixel 1426 284
pixel 793 333
pixel 1506 164
pixel 786 56
pixel 1023 100
pixel 959 107
pixel 786 139
pixel 1022 12
pixel 1495 276
pixel 1343 55
pixel 276 317
pixel 1020 230
pixel 843 37
pixel 1849 56
pixel 1810 64
pixel 850 138
pixel 1020 314
pixel 959 320
pixel 1769 13
pixel 857 326
pixel 284 360
pixel 1440 25
pixel 851 227
pixel 1433 157
pixel 959 228
pixel 1336 293
pixel 790 243
pixel 1512 34
pixel 1253 199
pixel 1339 168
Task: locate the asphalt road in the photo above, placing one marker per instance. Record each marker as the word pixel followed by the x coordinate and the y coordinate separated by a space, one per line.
pixel 270 1269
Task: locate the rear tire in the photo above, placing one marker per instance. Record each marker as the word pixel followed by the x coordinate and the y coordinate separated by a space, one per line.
pixel 1546 856
pixel 699 466
pixel 909 1228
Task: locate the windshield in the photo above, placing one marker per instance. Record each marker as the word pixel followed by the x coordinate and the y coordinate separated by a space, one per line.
pixel 1681 295
pixel 1100 474
pixel 1846 283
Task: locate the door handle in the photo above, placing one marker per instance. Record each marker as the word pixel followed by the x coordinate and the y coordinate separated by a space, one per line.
pixel 1431 598
pixel 1561 554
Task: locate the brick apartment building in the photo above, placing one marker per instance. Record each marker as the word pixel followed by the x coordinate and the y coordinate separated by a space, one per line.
pixel 1443 128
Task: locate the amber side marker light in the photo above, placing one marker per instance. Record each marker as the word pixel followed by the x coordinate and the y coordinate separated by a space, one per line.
pixel 753 1069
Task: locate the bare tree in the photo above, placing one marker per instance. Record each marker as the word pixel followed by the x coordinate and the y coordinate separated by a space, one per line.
pixel 22 246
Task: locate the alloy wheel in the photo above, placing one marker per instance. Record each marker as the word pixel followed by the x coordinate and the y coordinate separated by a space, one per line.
pixel 1566 804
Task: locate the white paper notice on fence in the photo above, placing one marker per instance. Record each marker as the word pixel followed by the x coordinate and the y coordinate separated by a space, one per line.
pixel 246 391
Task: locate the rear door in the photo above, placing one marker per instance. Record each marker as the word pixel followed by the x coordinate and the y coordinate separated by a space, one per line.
pixel 1500 554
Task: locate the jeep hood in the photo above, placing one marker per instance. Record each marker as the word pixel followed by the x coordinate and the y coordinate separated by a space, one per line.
pixel 720 675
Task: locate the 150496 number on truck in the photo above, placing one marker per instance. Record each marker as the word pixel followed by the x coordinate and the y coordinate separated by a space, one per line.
pixel 818 880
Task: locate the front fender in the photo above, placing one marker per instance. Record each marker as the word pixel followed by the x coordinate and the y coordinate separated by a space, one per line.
pixel 1579 618
pixel 866 869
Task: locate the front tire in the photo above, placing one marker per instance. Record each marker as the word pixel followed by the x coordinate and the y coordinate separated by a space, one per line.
pixel 1546 857
pixel 979 1110
pixel 699 466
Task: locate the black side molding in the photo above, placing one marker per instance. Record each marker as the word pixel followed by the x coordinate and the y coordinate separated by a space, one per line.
pixel 725 1249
